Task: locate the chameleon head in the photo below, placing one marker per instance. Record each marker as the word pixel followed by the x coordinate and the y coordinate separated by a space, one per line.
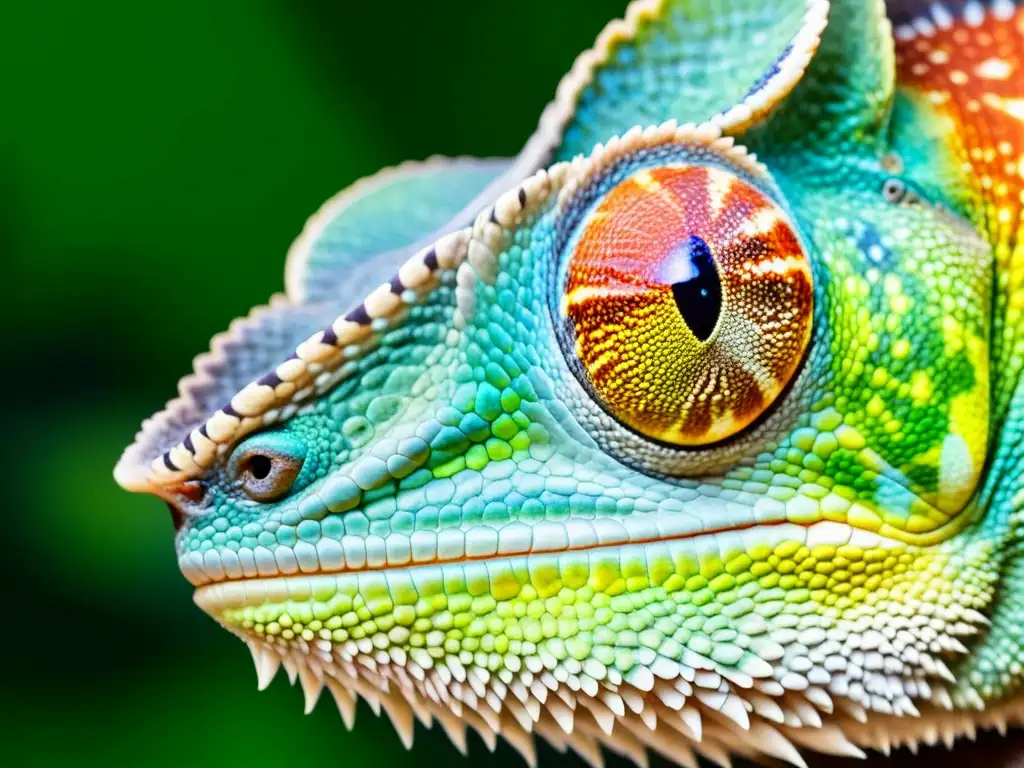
pixel 660 439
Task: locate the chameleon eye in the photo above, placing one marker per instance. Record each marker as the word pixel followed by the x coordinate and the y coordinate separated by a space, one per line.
pixel 266 465
pixel 689 297
pixel 893 190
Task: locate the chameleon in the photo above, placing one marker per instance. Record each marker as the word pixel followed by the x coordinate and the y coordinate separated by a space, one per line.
pixel 696 428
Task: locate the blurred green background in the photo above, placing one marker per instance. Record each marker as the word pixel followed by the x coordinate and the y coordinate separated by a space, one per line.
pixel 156 160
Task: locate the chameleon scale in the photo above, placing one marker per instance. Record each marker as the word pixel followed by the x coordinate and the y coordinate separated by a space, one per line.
pixel 475 527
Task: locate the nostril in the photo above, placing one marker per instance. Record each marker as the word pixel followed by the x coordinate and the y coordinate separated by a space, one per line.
pixel 183 500
pixel 192 491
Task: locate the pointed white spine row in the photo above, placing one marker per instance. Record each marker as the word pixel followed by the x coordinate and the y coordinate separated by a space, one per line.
pixel 668 706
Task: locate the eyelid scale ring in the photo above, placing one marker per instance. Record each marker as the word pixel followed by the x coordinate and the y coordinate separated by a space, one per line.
pixel 266 465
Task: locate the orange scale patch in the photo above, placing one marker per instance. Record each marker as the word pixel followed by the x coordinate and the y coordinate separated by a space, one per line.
pixel 975 76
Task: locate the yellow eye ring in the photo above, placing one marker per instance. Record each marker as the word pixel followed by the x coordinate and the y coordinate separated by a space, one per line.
pixel 690 298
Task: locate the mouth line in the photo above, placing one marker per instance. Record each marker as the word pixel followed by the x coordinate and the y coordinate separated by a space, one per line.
pixel 813 534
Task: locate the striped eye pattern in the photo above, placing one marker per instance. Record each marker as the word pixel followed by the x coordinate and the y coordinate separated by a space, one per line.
pixel 689 297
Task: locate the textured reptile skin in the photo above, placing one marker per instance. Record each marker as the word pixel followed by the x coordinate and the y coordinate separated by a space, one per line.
pixel 698 427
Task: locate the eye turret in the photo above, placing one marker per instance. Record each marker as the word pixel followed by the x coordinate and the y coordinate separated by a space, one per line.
pixel 689 297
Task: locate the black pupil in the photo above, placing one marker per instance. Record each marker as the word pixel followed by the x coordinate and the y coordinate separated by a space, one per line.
pixel 259 466
pixel 699 296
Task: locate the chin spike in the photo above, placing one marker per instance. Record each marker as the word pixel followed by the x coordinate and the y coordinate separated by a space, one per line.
pixel 884 745
pixel 828 739
pixel 944 672
pixel 633 699
pixel 521 741
pixel 489 716
pixel 345 701
pixel 418 704
pixel 819 697
pixel 532 707
pixel 627 745
pixel 949 737
pixel 670 697
pixel 373 701
pixel 614 702
pixel 552 735
pixel 603 716
pixel 519 713
pixel 733 709
pixel 266 662
pixel 690 717
pixel 648 717
pixel 453 727
pixel 1000 724
pixel 289 666
pixel 802 710
pixel 854 710
pixel 774 744
pixel 311 686
pixel 716 753
pixel 588 749
pixel 489 737
pixel 561 713
pixel 684 756
pixel 401 717
pixel 766 707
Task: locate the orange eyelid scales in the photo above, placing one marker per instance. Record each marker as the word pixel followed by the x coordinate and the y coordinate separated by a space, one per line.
pixel 690 297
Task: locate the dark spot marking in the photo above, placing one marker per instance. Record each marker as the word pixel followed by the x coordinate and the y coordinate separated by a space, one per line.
pixel 271 380
pixel 329 337
pixel 522 197
pixel 359 315
pixel 396 285
pixel 170 464
pixel 766 78
pixel 431 259
pixel 187 442
pixel 870 244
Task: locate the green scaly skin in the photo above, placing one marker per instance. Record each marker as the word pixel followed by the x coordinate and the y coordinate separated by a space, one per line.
pixel 472 536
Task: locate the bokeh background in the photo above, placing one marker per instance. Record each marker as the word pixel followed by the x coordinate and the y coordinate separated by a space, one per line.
pixel 156 160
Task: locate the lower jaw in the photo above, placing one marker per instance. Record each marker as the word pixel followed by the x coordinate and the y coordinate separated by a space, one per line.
pixel 747 641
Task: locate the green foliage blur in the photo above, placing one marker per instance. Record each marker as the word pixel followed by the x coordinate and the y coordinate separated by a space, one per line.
pixel 156 160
